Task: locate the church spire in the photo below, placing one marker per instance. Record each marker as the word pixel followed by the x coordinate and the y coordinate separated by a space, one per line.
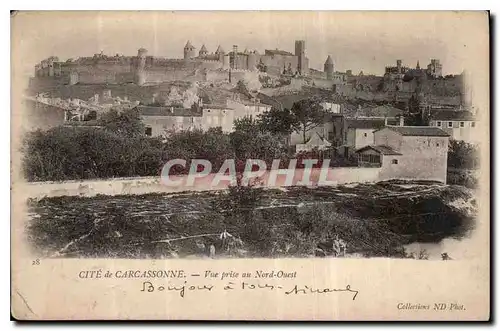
pixel 418 64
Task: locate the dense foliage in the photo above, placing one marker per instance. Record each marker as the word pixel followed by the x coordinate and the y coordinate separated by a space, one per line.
pixel 71 153
pixel 126 123
pixel 303 116
pixel 462 155
pixel 66 153
pixel 118 147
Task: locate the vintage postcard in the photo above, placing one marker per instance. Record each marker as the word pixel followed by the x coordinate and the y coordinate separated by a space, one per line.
pixel 260 165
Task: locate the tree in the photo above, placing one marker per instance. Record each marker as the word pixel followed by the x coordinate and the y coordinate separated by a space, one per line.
pixel 306 115
pixel 246 124
pixel 68 153
pixel 276 121
pixel 462 155
pixel 249 142
pixel 414 115
pixel 212 145
pixel 125 123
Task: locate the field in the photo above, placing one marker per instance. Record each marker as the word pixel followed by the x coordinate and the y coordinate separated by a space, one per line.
pixel 362 220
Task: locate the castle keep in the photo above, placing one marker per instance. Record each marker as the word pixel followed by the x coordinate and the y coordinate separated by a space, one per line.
pixel 194 66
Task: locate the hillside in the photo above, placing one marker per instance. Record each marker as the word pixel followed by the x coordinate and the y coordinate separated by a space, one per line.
pixel 370 219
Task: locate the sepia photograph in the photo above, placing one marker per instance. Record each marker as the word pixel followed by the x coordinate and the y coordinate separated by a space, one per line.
pixel 215 137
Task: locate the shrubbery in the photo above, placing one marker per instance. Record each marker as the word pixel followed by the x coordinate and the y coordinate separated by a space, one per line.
pixel 66 153
pixel 75 153
pixel 118 146
pixel 463 155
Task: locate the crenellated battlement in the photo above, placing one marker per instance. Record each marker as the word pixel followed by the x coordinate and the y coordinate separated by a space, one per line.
pixel 143 68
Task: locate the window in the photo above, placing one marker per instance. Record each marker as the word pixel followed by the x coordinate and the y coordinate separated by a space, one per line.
pixel 369 158
pixel 365 134
pixel 438 123
pixel 437 144
pixel 473 124
pixel 394 161
pixel 450 124
pixel 462 124
pixel 149 131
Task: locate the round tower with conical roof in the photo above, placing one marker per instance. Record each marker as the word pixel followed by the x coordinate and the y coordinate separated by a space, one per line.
pixel 189 51
pixel 328 68
pixel 203 51
pixel 220 52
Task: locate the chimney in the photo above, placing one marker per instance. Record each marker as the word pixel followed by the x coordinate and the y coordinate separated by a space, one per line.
pixel 401 121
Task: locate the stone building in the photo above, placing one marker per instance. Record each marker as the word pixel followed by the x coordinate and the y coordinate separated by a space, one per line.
pixel 160 121
pixel 460 125
pixel 409 153
pixel 145 69
pixel 354 129
pixel 435 69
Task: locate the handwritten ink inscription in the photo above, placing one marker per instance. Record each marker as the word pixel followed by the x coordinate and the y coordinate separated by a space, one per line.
pixel 185 288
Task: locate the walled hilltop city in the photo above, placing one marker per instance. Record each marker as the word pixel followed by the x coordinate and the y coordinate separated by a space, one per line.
pixel 146 69
pixel 231 85
pixel 107 125
pixel 204 66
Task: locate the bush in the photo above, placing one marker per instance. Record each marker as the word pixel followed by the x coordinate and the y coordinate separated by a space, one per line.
pixel 126 123
pixel 212 145
pixel 462 155
pixel 69 153
pixel 461 177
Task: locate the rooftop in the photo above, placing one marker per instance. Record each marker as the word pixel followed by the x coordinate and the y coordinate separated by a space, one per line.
pixel 382 149
pixel 365 123
pixel 167 111
pixel 452 115
pixel 428 131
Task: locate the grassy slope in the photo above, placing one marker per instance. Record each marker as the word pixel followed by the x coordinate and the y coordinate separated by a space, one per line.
pixel 374 220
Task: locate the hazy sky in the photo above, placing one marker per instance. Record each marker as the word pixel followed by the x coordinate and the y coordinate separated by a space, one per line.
pixel 356 40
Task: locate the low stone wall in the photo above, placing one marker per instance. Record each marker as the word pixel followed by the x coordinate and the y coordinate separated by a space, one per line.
pixel 144 185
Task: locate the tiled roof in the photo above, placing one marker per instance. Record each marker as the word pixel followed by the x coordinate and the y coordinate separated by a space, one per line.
pixel 365 123
pixel 452 115
pixel 428 131
pixel 167 111
pixel 382 149
pixel 212 106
